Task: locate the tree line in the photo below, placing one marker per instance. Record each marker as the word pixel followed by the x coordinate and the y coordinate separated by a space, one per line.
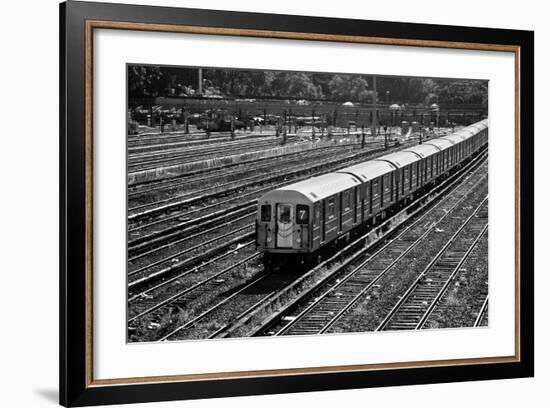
pixel 154 81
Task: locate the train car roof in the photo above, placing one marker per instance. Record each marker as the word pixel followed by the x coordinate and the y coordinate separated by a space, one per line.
pixel 466 132
pixel 423 150
pixel 481 124
pixel 400 159
pixel 458 137
pixel 320 187
pixel 441 143
pixel 369 170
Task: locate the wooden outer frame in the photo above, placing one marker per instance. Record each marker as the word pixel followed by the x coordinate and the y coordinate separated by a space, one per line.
pixel 77 22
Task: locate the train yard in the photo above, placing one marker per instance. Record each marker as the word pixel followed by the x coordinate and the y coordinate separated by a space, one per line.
pixel 194 271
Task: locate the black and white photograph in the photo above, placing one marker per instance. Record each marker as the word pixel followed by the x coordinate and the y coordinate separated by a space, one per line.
pixel 287 203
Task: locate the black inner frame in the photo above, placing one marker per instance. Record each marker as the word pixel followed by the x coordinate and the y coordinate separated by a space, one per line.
pixel 73 391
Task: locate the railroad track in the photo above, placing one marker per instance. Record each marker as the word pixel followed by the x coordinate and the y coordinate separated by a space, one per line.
pixel 183 141
pixel 217 187
pixel 192 257
pixel 416 304
pixel 240 309
pixel 194 232
pixel 330 305
pixel 482 318
pixel 191 139
pixel 165 158
pixel 198 176
pixel 460 302
pixel 186 292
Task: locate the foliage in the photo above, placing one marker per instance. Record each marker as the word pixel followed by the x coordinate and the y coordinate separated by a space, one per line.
pixel 152 81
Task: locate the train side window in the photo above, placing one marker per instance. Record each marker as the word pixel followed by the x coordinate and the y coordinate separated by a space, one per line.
pixel 425 171
pixel 266 213
pixel 346 202
pixel 316 214
pixel 374 187
pixel 302 214
pixel 330 209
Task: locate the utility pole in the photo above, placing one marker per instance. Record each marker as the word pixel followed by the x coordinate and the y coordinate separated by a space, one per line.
pixel 200 81
pixel 374 123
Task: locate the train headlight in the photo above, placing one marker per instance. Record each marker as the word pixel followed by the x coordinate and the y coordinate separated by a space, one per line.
pixel 298 240
pixel 269 238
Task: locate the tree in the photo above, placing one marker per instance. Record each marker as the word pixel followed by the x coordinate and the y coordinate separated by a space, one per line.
pixel 300 85
pixel 145 81
pixel 349 87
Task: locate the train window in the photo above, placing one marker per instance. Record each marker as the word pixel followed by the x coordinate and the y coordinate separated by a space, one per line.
pixel 374 187
pixel 284 213
pixel 266 213
pixel 330 209
pixel 345 200
pixel 316 214
pixel 425 169
pixel 302 214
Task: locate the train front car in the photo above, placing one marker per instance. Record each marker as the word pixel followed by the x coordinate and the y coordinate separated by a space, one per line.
pixel 294 221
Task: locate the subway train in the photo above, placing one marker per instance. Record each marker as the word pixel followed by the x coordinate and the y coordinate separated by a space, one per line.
pixel 305 217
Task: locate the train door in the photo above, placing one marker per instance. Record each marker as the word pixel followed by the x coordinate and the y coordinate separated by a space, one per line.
pixel 403 180
pixel 285 215
pixel 364 201
pixel 356 205
pixel 302 221
pixel 424 171
pixel 316 226
pixel 392 187
pixel 340 209
pixel 371 192
pixel 382 192
pixel 323 220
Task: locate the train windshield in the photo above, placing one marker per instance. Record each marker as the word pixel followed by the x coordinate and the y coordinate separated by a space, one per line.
pixel 285 213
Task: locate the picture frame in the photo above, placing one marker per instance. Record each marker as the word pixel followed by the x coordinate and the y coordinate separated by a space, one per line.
pixel 78 385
